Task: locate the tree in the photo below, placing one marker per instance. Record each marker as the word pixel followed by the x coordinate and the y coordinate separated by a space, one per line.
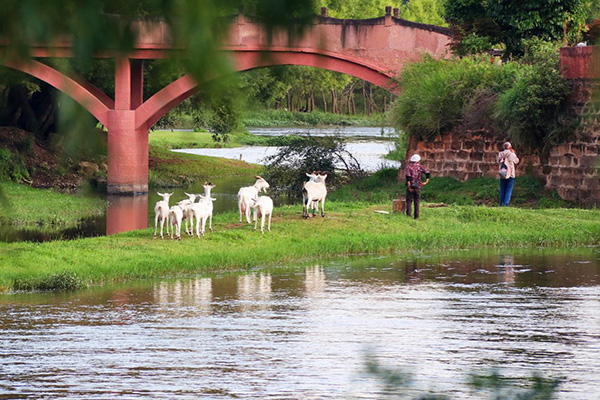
pixel 508 23
pixel 424 12
pixel 94 26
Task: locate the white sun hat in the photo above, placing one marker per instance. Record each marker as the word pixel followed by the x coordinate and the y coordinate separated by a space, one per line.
pixel 415 158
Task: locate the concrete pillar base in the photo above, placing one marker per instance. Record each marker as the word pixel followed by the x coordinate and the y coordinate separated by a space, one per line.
pixel 127 189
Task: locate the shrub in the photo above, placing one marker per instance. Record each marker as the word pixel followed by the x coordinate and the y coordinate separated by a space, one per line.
pixel 12 166
pixel 59 282
pixel 436 92
pixel 524 100
pixel 304 154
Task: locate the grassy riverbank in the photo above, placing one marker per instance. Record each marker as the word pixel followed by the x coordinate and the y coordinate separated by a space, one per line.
pixel 26 206
pixel 349 228
pixel 381 186
pixel 169 169
pixel 266 118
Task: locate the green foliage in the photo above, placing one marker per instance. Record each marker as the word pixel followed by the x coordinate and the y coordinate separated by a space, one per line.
pixel 532 112
pixel 524 100
pixel 508 24
pixel 494 385
pixel 436 92
pixel 424 11
pixel 305 154
pixel 12 166
pixel 60 282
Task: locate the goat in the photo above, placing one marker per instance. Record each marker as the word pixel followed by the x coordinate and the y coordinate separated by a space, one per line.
pixel 186 206
pixel 161 213
pixel 247 193
pixel 314 191
pixel 208 186
pixel 175 217
pixel 202 211
pixel 262 206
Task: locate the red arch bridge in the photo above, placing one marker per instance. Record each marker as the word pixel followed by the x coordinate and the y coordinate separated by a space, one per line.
pixel 373 50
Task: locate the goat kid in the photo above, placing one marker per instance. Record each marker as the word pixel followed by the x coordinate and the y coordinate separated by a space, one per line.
pixel 161 213
pixel 263 206
pixel 247 193
pixel 313 192
pixel 186 206
pixel 175 218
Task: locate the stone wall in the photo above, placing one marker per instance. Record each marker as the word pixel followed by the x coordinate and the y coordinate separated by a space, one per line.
pixel 572 169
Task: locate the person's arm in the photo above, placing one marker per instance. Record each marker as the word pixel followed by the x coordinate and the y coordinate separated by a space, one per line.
pixel 513 158
pixel 427 175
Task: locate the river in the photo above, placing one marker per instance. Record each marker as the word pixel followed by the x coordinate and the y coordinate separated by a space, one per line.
pixel 304 332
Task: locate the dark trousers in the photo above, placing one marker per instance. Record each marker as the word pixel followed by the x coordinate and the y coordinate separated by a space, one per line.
pixel 506 188
pixel 414 196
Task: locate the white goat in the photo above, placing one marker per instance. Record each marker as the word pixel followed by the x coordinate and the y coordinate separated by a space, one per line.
pixel 314 191
pixel 246 194
pixel 175 217
pixel 186 206
pixel 262 206
pixel 202 211
pixel 161 213
pixel 208 186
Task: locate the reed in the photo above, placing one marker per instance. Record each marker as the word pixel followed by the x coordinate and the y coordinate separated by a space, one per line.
pixel 349 228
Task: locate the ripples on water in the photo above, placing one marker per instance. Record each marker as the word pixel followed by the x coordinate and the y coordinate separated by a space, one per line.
pixel 303 333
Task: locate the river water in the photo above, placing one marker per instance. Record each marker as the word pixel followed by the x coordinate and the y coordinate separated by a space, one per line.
pixel 304 332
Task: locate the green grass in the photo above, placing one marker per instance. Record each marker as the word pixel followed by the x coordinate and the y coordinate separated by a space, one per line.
pixel 24 206
pixel 169 169
pixel 382 186
pixel 201 140
pixel 349 228
pixel 181 140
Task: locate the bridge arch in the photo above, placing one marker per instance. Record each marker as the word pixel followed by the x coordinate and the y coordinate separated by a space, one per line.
pixel 83 92
pixel 176 92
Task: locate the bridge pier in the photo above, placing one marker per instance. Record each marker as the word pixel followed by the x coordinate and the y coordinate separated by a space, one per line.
pixel 127 154
pixel 127 145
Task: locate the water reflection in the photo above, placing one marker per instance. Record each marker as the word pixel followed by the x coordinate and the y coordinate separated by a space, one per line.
pixel 302 332
pixel 126 213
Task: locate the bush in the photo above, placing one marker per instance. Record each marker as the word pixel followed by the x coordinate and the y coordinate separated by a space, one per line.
pixel 304 154
pixel 532 112
pixel 435 93
pixel 12 166
pixel 524 100
pixel 60 282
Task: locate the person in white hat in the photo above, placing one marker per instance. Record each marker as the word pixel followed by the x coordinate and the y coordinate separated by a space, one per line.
pixel 507 159
pixel 414 173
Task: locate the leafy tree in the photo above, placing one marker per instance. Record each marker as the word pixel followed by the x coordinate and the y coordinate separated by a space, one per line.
pixel 508 23
pixel 424 11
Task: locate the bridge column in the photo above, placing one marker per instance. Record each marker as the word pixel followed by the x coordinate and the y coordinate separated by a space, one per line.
pixel 127 154
pixel 127 146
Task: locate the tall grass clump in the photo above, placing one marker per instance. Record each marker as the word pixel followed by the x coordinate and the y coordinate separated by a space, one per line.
pixel 435 93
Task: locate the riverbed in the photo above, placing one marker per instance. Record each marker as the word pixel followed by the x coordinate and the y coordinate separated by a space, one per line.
pixel 305 332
